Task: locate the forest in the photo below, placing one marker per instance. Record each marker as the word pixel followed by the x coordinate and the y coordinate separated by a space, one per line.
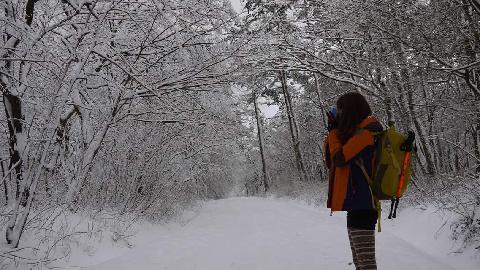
pixel 137 110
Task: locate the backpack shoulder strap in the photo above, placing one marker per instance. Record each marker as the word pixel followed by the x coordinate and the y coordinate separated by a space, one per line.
pixel 359 163
pixel 375 201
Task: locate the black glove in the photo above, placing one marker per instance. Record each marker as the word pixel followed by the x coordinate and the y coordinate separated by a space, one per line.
pixel 332 122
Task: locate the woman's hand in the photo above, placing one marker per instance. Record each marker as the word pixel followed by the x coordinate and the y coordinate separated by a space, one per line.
pixel 332 122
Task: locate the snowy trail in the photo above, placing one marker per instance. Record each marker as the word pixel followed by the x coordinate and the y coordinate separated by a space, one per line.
pixel 264 234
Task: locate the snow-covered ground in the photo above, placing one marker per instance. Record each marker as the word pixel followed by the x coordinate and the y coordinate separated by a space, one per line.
pixel 267 233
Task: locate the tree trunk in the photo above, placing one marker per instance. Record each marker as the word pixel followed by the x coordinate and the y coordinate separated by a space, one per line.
pixel 324 123
pixel 17 142
pixel 90 153
pixel 5 186
pixel 23 206
pixel 14 114
pixel 472 76
pixel 320 100
pixel 475 5
pixel 260 143
pixel 476 142
pixel 293 128
pixel 406 80
pixel 13 111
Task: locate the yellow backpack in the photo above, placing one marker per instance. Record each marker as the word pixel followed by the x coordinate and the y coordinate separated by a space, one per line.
pixel 393 164
pixel 392 167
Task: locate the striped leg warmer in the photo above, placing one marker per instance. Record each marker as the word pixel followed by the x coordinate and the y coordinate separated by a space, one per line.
pixel 354 254
pixel 362 243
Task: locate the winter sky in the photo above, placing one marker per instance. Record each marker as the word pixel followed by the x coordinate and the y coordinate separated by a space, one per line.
pixel 237 5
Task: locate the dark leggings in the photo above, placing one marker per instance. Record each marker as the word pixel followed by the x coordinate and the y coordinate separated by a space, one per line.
pixel 361 233
pixel 362 219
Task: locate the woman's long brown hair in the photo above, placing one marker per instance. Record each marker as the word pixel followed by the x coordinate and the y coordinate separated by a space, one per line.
pixel 352 109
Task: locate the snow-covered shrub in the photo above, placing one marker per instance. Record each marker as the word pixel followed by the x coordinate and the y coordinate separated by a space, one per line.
pixel 457 194
pixel 466 203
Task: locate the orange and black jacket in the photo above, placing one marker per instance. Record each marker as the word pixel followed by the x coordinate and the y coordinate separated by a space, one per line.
pixel 348 187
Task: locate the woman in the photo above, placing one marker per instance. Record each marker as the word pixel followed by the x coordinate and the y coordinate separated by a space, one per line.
pixel 349 155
